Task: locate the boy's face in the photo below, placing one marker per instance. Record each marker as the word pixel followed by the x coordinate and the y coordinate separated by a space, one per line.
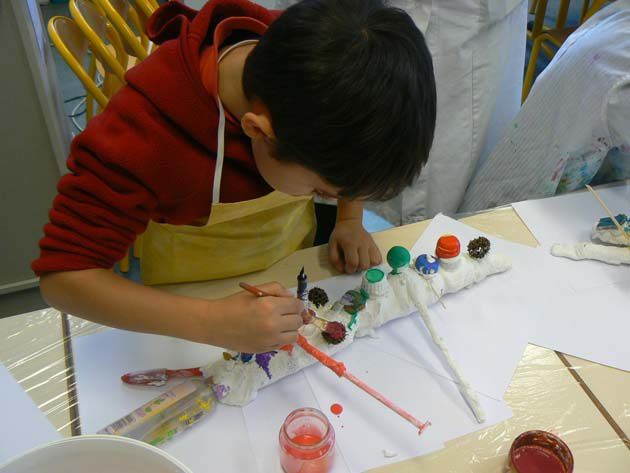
pixel 290 178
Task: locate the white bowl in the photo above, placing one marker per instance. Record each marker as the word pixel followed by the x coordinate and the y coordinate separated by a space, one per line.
pixel 95 454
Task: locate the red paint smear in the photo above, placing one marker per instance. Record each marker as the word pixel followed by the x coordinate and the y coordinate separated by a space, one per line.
pixel 336 409
pixel 536 459
pixel 185 373
pixel 338 367
pixel 287 348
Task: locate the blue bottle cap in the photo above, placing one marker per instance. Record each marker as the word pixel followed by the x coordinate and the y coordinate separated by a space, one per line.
pixel 427 265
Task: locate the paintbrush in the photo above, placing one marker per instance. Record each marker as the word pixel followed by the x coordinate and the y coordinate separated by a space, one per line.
pixel 333 332
pixel 340 370
pixel 610 214
pixel 159 376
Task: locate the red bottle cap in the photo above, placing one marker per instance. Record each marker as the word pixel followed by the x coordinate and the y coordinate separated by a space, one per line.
pixel 447 247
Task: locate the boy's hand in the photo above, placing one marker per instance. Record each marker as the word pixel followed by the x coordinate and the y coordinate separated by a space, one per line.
pixel 351 248
pixel 258 324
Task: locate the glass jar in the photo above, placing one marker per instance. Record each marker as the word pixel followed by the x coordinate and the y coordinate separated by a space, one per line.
pixel 307 442
pixel 538 451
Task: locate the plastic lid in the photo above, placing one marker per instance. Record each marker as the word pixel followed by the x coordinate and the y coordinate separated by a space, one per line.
pixel 374 275
pixel 447 247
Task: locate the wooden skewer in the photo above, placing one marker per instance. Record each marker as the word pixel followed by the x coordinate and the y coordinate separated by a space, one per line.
pixel 439 298
pixel 610 214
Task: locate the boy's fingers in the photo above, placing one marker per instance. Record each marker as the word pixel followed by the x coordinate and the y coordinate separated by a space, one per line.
pixel 286 338
pixel 275 289
pixel 352 259
pixel 334 256
pixel 290 323
pixel 364 256
pixel 375 255
pixel 289 306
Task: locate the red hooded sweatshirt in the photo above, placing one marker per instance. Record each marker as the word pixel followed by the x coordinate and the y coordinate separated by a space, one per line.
pixel 150 154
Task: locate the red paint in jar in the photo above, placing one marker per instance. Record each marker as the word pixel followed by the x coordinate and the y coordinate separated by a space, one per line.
pixel 307 442
pixel 537 451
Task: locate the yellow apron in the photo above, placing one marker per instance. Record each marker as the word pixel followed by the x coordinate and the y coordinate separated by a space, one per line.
pixel 239 238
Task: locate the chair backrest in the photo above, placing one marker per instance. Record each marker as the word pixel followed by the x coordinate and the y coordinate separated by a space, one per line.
pixel 95 27
pixel 592 9
pixel 145 8
pixel 116 15
pixel 73 47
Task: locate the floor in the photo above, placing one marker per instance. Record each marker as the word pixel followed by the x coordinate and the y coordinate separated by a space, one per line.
pixel 25 301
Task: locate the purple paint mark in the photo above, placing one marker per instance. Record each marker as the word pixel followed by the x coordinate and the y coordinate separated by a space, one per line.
pixel 220 391
pixel 263 360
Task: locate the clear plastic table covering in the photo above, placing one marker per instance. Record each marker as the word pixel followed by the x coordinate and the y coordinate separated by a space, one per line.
pixel 544 393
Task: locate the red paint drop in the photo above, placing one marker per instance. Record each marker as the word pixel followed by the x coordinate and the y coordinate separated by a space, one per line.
pixel 535 459
pixel 336 409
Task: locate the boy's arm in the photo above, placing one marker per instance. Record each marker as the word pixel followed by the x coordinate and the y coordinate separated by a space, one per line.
pixel 351 248
pixel 240 322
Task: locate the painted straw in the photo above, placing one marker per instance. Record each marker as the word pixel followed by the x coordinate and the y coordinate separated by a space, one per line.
pixel 340 370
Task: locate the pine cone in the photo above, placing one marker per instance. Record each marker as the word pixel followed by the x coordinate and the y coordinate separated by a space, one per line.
pixel 479 247
pixel 335 333
pixel 318 297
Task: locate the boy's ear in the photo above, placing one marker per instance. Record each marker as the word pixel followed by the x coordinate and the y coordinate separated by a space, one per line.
pixel 257 125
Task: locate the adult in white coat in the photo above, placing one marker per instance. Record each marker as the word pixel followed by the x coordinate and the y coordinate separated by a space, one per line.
pixel 574 128
pixel 478 49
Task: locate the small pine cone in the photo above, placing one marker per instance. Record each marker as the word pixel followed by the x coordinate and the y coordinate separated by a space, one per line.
pixel 479 247
pixel 335 333
pixel 318 297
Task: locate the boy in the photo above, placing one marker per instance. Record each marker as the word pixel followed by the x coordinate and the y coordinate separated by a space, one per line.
pixel 334 97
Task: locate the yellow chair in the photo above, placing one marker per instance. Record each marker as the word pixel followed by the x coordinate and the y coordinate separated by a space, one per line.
pixel 145 8
pixel 117 11
pixel 73 47
pixel 107 48
pixel 556 36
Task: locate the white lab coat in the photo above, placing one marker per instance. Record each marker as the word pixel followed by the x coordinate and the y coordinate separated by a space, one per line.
pixel 478 49
pixel 574 127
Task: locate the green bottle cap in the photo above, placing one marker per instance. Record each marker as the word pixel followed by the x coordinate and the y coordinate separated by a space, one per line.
pixel 374 275
pixel 398 257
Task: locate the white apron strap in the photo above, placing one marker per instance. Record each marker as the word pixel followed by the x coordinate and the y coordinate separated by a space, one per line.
pixel 218 167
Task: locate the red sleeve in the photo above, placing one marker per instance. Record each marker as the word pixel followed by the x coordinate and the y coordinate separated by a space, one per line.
pixel 130 165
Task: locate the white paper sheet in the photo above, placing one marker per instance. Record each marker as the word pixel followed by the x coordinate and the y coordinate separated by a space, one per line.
pixel 593 324
pixel 570 219
pixel 486 327
pixel 101 359
pixel 26 427
pixel 366 427
pixel 245 439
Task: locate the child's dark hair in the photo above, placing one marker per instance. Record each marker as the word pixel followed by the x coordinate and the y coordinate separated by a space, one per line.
pixel 350 88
